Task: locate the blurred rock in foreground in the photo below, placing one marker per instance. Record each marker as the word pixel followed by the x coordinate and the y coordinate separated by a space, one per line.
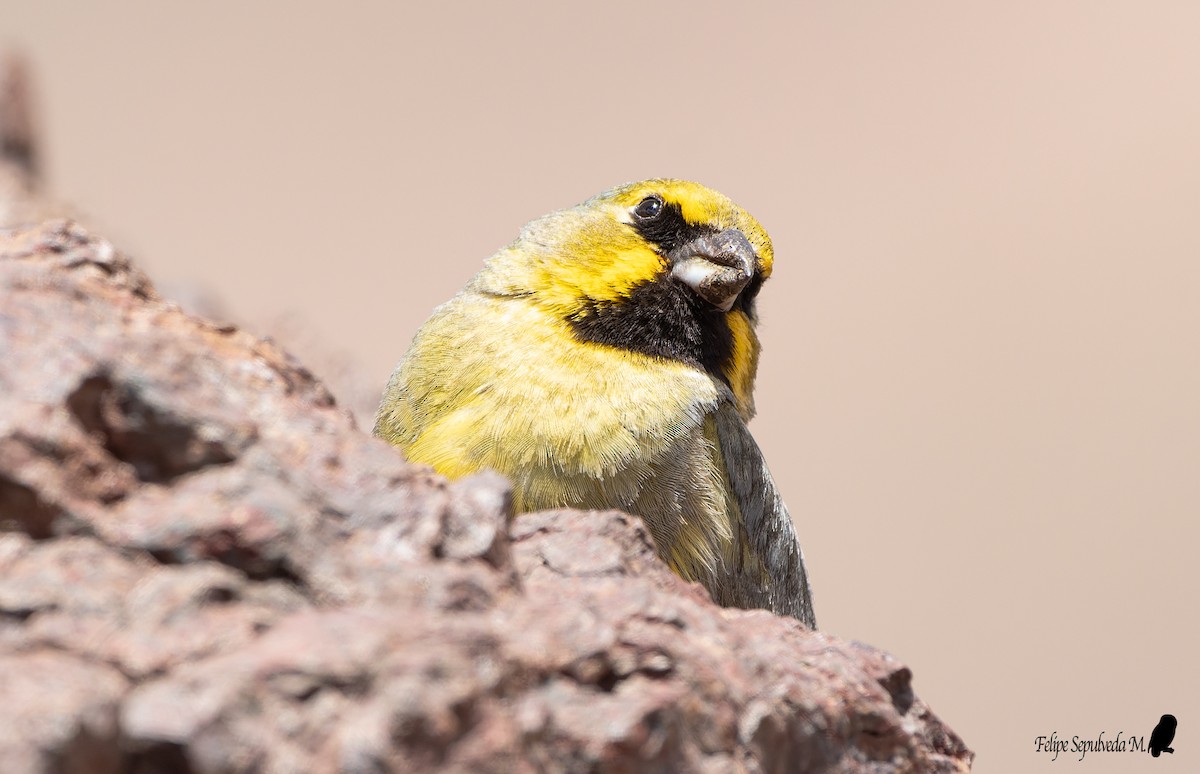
pixel 206 567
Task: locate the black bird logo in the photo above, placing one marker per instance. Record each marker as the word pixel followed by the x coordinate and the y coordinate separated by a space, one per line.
pixel 1160 738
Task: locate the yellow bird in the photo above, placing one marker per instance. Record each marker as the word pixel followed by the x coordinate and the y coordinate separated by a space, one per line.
pixel 606 359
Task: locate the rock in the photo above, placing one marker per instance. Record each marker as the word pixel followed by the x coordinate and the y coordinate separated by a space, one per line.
pixel 205 566
pixel 60 713
pixel 21 200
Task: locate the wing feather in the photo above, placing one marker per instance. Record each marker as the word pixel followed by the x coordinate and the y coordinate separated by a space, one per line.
pixel 768 565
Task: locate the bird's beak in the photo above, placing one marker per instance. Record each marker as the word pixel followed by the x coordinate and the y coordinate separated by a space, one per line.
pixel 716 266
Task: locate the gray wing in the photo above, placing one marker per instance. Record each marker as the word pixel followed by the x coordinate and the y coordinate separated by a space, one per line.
pixel 768 566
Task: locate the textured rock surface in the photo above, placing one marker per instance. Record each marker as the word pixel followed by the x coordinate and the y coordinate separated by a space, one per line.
pixel 206 567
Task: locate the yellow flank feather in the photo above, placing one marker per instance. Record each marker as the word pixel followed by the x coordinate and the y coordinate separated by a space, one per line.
pixel 743 365
pixel 606 359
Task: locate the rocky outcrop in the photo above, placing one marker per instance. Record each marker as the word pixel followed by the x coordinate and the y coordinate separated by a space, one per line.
pixel 206 567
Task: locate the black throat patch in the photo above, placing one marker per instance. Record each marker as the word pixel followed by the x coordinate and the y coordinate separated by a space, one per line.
pixel 663 318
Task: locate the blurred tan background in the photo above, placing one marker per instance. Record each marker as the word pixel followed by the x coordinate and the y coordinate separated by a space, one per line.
pixel 980 390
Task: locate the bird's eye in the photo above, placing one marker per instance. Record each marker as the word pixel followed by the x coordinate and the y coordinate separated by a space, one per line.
pixel 648 208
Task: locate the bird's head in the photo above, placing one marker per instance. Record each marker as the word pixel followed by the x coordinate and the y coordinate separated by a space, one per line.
pixel 666 268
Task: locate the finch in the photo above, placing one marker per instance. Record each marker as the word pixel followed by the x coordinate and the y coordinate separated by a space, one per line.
pixel 606 359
